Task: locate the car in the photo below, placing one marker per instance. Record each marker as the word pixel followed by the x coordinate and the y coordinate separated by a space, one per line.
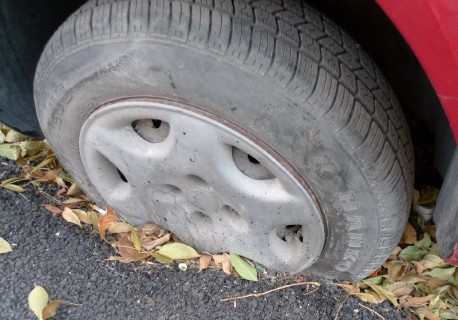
pixel 274 129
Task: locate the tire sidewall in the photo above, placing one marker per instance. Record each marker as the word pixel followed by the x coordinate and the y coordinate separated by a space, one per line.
pixel 84 79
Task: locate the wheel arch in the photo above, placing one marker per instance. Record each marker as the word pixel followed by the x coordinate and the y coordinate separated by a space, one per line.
pixel 378 27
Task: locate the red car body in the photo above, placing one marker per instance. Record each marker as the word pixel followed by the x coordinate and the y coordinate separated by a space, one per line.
pixel 431 30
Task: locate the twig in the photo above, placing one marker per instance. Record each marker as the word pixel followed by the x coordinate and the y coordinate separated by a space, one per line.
pixel 257 295
pixel 373 311
pixel 50 197
pixel 341 305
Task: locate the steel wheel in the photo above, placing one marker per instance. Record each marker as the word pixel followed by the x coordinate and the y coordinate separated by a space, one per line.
pixel 206 180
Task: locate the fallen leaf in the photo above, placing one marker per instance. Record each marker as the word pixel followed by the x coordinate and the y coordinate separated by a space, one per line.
pixel 377 280
pixel 72 201
pixel 383 293
pixel 218 260
pixel 396 270
pixel 204 262
pixel 119 227
pixel 14 136
pixel 375 273
pixel 178 251
pixel 105 220
pixel 431 261
pixel 424 243
pixel 82 216
pixel 431 230
pixel 38 300
pixel 412 253
pixel 410 235
pixel 128 252
pixel 441 273
pixel 151 244
pixel 411 277
pixel 71 217
pixel 243 268
pixel 73 190
pixel 400 289
pixel 227 266
pixel 50 310
pixel 4 246
pixel 415 301
pixel 371 297
pixel 53 209
pixel 12 187
pixel 419 267
pixel 161 258
pixel 351 288
pixel 134 238
pixel 150 228
pixel 452 315
pixel 94 217
pixel 433 283
pixel 428 194
pixel 425 312
pixel 48 176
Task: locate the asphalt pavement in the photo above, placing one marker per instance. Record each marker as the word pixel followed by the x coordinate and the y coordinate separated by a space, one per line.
pixel 71 265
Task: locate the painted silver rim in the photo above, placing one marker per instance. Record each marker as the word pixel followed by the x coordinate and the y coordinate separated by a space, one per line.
pixel 204 179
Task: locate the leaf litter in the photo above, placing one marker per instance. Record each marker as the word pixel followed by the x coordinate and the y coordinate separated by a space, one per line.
pixel 414 277
pixel 41 306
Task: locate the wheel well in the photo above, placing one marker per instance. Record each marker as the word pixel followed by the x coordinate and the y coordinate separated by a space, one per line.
pixel 366 22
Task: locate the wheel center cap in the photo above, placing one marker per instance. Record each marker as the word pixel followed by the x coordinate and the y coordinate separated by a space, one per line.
pixel 203 200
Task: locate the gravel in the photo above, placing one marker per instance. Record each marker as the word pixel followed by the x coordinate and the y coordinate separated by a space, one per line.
pixel 71 265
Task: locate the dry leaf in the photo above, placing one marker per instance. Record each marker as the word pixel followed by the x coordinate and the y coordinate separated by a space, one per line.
pixel 427 313
pixel 382 292
pixel 151 244
pixel 105 220
pixel 218 260
pixel 53 209
pixel 370 297
pixel 431 261
pixel 400 289
pixel 410 235
pixel 94 217
pixel 38 300
pixel 134 238
pixel 204 262
pixel 48 176
pixel 226 263
pixel 375 273
pixel 128 252
pixel 71 217
pixel 60 182
pixel 419 267
pixel 349 287
pixel 150 228
pixel 73 190
pixel 82 215
pixel 50 310
pixel 433 283
pixel 4 246
pixel 119 227
pixel 396 270
pixel 415 301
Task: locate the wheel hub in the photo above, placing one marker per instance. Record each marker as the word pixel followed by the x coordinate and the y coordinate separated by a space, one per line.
pixel 210 182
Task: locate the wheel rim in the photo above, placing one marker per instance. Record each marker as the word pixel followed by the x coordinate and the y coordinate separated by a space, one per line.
pixel 204 179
